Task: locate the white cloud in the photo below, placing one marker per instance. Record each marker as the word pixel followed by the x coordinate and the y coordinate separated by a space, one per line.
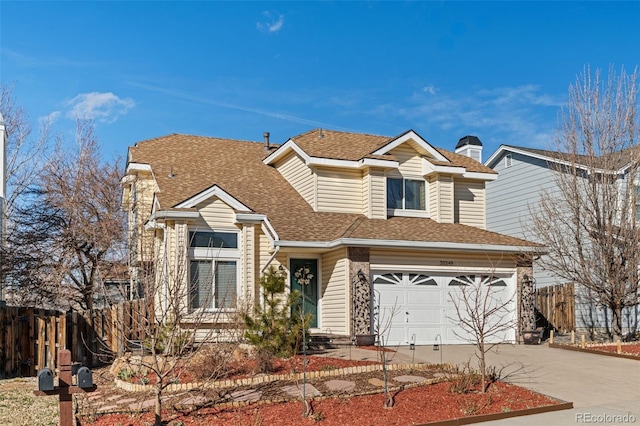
pixel 431 89
pixel 104 107
pixel 272 23
pixel 49 118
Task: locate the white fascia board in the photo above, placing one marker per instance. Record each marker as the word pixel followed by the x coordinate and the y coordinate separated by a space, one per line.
pixel 480 176
pixel 249 218
pixel 496 155
pixel 214 191
pixel 411 135
pixel 173 215
pixel 430 168
pixel 289 145
pixel 504 148
pixel 424 245
pixel 375 162
pixel 138 167
pixel 266 226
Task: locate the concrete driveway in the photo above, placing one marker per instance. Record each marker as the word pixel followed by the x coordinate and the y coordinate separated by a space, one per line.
pixel 603 389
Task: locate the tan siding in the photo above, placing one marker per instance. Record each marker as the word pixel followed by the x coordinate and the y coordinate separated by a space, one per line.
pixel 445 261
pixel 378 195
pixel 339 190
pixel 470 202
pixel 410 160
pixel 446 199
pixel 296 172
pixel 434 200
pixel 335 304
pixel 366 193
pixel 215 214
pixel 248 262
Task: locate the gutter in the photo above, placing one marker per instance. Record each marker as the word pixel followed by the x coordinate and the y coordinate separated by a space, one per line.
pixel 425 245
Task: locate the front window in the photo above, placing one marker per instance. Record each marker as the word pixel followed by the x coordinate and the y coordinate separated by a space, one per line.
pixel 406 194
pixel 213 270
pixel 213 284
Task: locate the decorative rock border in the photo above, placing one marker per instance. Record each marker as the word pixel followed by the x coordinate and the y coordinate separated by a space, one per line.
pixel 590 350
pixel 268 378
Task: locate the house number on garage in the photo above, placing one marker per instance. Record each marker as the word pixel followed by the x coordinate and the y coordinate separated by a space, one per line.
pixel 446 263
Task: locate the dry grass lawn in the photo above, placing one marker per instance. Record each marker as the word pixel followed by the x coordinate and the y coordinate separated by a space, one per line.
pixel 20 407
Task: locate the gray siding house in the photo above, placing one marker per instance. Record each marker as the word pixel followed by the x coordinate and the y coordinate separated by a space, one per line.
pixel 523 174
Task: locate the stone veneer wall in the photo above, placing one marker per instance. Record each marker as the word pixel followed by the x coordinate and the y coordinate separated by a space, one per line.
pixel 360 279
pixel 525 297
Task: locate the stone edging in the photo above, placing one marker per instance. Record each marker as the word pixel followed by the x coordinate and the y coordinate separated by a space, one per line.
pixel 251 381
pixel 499 416
pixel 592 351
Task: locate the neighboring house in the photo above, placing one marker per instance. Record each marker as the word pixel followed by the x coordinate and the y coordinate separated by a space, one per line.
pixel 388 223
pixel 524 174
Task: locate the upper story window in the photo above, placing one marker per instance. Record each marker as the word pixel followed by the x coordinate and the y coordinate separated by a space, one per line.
pixel 406 194
pixel 210 239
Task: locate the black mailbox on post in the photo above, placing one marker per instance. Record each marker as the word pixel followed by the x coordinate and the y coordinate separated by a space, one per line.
pixel 45 379
pixel 85 378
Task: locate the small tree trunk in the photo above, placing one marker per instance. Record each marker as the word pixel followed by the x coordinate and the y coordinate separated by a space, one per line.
pixel 616 322
pixel 483 367
pixel 158 413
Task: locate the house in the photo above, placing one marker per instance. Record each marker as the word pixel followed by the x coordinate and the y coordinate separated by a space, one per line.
pixel 525 174
pixel 385 224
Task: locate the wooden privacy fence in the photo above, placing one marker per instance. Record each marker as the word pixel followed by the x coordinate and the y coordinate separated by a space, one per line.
pixel 30 337
pixel 557 305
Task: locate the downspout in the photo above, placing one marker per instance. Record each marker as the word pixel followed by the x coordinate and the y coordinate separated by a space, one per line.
pixel 273 256
pixel 268 230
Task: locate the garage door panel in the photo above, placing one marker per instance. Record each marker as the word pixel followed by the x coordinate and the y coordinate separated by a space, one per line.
pixel 424 316
pixel 426 308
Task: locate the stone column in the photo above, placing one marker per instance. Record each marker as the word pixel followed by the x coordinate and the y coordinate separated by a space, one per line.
pixel 360 280
pixel 525 297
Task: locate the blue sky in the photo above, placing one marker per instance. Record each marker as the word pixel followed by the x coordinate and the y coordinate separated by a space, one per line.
pixel 498 70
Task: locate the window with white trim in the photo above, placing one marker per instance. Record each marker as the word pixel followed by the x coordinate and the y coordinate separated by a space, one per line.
pixel 213 270
pixel 406 194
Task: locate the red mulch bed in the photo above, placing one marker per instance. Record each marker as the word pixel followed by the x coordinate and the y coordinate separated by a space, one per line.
pixel 412 406
pixel 627 348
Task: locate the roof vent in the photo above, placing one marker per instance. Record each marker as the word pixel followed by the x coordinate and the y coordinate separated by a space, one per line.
pixel 266 140
pixel 320 135
pixel 471 147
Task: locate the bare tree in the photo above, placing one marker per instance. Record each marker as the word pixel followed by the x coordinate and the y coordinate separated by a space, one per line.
pixel 68 224
pixel 589 224
pixel 183 329
pixel 484 313
pixel 24 152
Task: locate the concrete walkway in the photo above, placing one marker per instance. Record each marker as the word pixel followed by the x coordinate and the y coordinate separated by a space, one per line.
pixel 603 389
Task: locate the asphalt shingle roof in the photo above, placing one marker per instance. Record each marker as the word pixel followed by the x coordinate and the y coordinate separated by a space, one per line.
pixel 185 165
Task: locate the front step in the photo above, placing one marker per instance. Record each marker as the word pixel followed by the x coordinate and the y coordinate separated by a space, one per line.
pixel 327 341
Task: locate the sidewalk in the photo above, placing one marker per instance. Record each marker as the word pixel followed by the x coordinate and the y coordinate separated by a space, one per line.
pixel 600 387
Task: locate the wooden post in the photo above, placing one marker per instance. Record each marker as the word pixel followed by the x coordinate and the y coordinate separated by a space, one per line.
pixel 65 389
pixel 619 347
pixel 573 337
pixel 64 380
pixel 582 342
pixel 551 337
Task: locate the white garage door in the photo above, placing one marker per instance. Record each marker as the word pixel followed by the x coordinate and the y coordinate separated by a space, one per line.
pixel 418 306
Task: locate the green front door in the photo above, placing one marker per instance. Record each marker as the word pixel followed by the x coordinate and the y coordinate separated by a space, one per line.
pixel 308 290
